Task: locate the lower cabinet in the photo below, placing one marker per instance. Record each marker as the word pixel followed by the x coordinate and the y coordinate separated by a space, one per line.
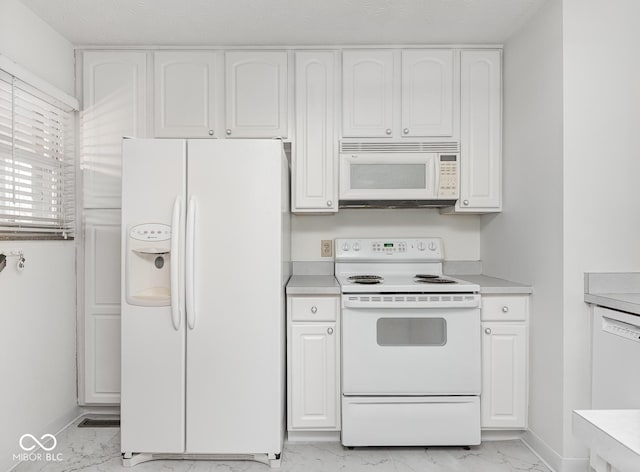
pixel 504 362
pixel 313 364
pixel 100 376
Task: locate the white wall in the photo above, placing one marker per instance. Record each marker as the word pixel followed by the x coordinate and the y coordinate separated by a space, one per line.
pixel 461 233
pixel 37 341
pixel 33 44
pixel 524 242
pixel 602 168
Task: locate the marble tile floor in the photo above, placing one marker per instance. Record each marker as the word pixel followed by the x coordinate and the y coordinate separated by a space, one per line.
pixel 98 449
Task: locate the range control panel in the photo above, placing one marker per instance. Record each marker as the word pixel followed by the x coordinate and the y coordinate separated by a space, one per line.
pixel 150 232
pixel 427 249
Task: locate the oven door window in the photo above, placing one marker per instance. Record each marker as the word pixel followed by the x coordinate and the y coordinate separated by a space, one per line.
pixel 411 331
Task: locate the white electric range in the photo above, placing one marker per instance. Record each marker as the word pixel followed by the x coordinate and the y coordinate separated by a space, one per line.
pixel 410 346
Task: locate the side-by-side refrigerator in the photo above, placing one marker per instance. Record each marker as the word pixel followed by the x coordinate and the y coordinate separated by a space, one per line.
pixel 205 257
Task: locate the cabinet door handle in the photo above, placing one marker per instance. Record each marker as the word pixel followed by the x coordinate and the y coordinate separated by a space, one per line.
pixel 210 132
pixel 329 203
pixel 505 309
pixel 388 131
pixel 405 131
pixel 314 309
pixel 487 330
pixel 330 330
pixel 228 132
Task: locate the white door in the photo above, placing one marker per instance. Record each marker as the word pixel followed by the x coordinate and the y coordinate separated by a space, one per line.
pixel 101 372
pixel 438 348
pixel 256 94
pixel 114 105
pixel 314 165
pixel 480 131
pixel 504 375
pixel 314 377
pixel 367 94
pixel 188 94
pixel 235 335
pixel 153 344
pixel 427 92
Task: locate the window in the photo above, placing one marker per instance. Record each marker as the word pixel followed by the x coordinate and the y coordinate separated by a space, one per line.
pixel 37 168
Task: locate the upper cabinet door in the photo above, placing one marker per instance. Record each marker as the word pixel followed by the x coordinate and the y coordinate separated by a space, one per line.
pixel 480 131
pixel 114 105
pixel 314 177
pixel 427 92
pixel 187 94
pixel 256 94
pixel 367 88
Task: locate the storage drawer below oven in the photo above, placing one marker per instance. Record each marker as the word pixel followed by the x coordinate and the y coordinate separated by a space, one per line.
pixel 410 421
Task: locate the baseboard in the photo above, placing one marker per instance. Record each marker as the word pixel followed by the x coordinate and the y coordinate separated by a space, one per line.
pixel 313 436
pixel 55 427
pixel 551 458
pixel 100 410
pixel 501 434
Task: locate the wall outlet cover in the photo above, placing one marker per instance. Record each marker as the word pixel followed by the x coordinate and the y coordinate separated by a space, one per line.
pixel 326 248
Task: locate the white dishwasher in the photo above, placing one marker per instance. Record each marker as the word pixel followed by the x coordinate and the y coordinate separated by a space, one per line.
pixel 616 353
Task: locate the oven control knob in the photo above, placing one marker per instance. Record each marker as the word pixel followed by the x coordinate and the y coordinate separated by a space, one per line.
pixel 345 247
pixel 421 246
pixel 432 246
pixel 356 246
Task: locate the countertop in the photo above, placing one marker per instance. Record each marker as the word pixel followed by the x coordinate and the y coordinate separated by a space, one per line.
pixel 313 285
pixel 495 286
pixel 328 285
pixel 618 291
pixel 613 435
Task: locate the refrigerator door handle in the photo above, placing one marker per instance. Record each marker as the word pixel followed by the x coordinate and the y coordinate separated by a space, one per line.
pixel 190 265
pixel 176 315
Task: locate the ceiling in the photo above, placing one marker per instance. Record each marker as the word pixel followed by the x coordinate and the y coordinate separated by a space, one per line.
pixel 280 22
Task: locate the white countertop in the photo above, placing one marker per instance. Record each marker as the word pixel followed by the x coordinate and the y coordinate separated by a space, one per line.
pixel 629 302
pixel 613 435
pixel 313 285
pixel 494 285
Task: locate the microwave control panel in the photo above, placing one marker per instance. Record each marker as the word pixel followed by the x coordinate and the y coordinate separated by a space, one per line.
pixel 448 176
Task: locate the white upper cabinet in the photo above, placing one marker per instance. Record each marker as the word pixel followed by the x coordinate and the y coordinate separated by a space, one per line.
pixel 480 132
pixel 114 105
pixel 188 89
pixel 256 94
pixel 314 167
pixel 367 93
pixel 427 92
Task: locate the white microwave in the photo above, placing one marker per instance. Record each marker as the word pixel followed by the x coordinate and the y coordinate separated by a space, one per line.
pixel 399 180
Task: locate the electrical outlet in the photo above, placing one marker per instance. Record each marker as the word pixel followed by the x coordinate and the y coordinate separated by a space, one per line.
pixel 326 248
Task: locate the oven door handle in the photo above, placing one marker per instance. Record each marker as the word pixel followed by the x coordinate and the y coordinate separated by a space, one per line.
pixel 411 301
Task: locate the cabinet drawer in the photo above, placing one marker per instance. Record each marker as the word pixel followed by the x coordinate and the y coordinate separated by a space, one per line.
pixel 313 308
pixel 504 308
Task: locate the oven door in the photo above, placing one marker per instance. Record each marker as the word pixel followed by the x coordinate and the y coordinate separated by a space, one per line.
pixel 411 351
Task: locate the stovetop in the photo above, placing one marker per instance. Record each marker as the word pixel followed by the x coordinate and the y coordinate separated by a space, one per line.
pixel 395 265
pixel 405 283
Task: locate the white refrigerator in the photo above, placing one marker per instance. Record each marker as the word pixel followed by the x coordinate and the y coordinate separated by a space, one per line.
pixel 205 258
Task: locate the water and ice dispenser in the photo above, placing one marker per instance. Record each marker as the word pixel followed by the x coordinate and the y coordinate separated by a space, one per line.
pixel 149 265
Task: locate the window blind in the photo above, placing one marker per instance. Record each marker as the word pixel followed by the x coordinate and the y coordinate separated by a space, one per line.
pixel 37 165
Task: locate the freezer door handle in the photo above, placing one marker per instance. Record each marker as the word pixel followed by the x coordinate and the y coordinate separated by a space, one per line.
pixel 176 315
pixel 190 265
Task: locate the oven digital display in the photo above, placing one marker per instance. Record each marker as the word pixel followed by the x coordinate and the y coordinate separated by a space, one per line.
pixel 388 244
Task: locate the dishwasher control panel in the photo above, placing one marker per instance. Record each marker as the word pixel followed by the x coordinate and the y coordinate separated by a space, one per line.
pixel 619 328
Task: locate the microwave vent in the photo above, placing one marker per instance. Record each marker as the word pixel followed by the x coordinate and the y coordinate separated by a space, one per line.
pixel 399 147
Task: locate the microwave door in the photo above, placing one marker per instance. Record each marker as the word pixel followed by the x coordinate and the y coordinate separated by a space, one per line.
pixel 388 177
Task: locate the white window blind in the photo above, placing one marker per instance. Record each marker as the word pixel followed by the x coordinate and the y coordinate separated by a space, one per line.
pixel 37 166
